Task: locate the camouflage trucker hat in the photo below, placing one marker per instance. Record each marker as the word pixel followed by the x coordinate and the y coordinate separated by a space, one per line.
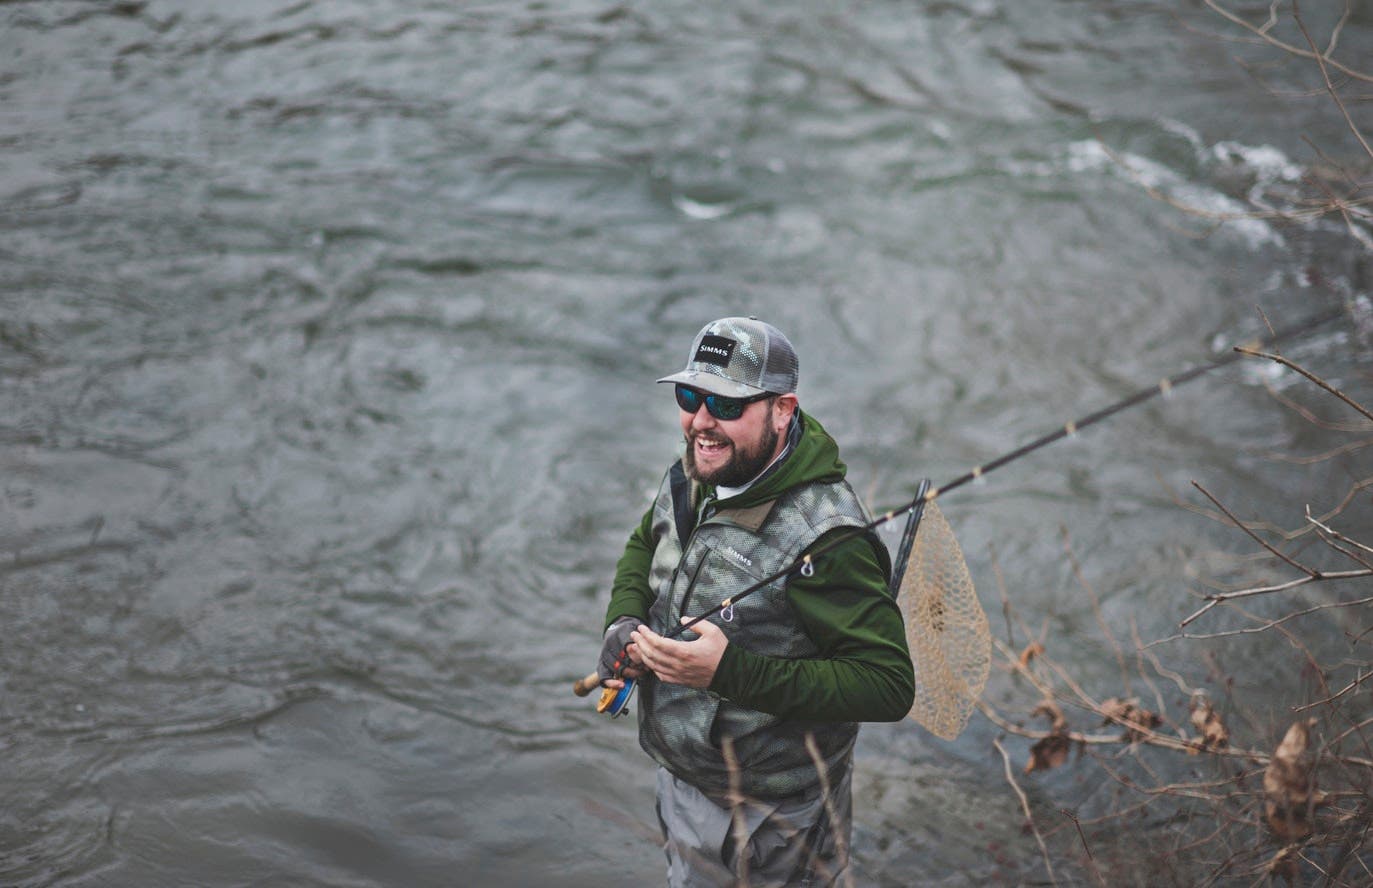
pixel 738 358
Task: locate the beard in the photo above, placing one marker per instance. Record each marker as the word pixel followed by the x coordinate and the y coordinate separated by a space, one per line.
pixel 745 463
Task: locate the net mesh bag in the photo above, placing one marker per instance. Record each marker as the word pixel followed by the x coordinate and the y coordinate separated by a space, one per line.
pixel 950 642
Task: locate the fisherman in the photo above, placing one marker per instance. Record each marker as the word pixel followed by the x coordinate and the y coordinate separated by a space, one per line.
pixel 753 713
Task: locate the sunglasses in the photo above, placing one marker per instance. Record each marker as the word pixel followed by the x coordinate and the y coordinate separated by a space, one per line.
pixel 718 406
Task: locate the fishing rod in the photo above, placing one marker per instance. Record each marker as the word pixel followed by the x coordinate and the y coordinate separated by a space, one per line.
pixel 614 700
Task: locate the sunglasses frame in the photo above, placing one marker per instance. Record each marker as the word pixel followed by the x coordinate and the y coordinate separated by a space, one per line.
pixel 716 405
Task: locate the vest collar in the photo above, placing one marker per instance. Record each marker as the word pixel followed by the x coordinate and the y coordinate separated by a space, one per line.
pixel 750 519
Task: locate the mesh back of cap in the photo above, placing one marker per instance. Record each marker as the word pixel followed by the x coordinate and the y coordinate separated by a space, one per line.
pixel 946 629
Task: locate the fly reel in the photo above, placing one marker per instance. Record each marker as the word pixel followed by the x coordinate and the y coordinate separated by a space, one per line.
pixel 616 700
pixel 613 700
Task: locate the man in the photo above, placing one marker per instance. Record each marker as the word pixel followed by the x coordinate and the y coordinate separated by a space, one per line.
pixel 754 712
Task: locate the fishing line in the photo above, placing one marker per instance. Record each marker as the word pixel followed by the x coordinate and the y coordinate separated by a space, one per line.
pixel 805 565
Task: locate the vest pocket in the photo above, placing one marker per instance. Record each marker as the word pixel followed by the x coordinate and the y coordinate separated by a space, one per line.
pixel 723 572
pixel 678 734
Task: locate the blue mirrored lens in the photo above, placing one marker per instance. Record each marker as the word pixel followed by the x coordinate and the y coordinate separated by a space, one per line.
pixel 717 406
pixel 688 399
pixel 721 407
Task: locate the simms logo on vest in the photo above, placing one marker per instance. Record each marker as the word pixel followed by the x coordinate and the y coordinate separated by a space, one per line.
pixel 715 350
pixel 737 556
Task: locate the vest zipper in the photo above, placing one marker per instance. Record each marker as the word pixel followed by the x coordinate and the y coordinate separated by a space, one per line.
pixel 686 593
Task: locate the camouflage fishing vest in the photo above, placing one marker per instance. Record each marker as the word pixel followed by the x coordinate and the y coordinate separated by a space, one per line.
pixel 730 550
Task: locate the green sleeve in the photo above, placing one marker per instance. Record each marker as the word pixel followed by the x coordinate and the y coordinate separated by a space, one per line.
pixel 630 595
pixel 863 671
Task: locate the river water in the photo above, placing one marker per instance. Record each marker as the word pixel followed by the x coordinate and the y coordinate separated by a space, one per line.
pixel 327 339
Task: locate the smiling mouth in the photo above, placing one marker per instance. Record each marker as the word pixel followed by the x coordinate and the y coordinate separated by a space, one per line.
pixel 709 446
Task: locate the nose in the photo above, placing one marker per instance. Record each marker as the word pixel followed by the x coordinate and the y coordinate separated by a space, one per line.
pixel 702 419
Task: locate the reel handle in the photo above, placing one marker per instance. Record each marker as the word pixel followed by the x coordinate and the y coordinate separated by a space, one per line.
pixel 586 685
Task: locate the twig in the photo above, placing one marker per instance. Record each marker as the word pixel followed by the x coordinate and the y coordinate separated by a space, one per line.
pixel 1313 459
pixel 1222 597
pixel 1312 572
pixel 1141 733
pixel 1000 577
pixel 1197 790
pixel 1263 627
pixel 1025 806
pixel 738 824
pixel 1287 535
pixel 1096 604
pixel 1336 534
pixel 841 847
pixel 1134 732
pixel 1091 858
pixel 1351 555
pixel 1291 365
pixel 1339 738
pixel 1175 677
pixel 1139 666
pixel 1029 734
pixel 1310 415
pixel 1358 680
pixel 1285 47
pixel 1325 73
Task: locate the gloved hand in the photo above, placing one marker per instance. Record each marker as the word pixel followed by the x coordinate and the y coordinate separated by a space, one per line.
pixel 613 653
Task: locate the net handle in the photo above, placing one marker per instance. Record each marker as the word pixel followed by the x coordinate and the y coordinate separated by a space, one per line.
pixel 903 551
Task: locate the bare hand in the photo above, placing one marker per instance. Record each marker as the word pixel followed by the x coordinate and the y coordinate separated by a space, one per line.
pixel 689 663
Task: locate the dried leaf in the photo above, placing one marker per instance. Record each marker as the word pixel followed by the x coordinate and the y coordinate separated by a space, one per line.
pixel 1206 720
pixel 1284 864
pixel 1136 717
pixel 1031 651
pixel 1048 753
pixel 1050 710
pixel 1051 751
pixel 1290 785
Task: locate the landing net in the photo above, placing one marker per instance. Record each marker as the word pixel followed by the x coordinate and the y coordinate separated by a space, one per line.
pixel 951 645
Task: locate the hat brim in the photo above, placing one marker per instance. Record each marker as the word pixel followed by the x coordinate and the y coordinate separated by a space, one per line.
pixel 714 384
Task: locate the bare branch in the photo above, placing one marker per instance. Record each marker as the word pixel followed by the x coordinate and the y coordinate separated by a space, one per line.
pixel 1096 604
pixel 841 847
pixel 1321 61
pixel 1025 806
pixel 1222 597
pixel 1312 572
pixel 1266 625
pixel 1309 375
pixel 1353 685
pixel 1091 858
pixel 1286 47
pixel 1351 447
pixel 1310 416
pixel 1287 535
pixel 1336 534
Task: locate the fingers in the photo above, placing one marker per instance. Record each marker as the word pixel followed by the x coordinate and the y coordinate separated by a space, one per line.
pixel 649 645
pixel 690 663
pixel 705 628
pixel 645 645
pixel 634 668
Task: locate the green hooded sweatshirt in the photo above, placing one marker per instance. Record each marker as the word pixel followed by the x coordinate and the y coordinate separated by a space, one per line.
pixel 863 672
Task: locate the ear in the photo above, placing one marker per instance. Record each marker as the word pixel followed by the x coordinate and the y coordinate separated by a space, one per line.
pixel 784 408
